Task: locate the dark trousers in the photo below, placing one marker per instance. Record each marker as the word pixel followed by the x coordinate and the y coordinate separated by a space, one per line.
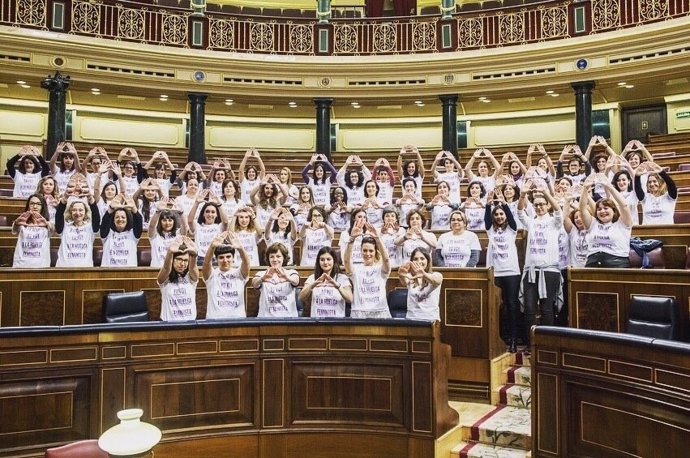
pixel 510 290
pixel 544 306
pixel 601 259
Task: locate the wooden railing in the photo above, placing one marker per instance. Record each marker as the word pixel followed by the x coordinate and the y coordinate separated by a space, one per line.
pixel 510 26
pixel 608 395
pixel 250 388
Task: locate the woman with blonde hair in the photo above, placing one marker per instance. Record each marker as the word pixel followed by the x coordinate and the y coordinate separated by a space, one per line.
pixel 48 189
pixel 76 222
pixel 659 201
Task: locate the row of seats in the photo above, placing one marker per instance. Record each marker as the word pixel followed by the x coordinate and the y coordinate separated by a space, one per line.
pixel 655 256
pixel 651 316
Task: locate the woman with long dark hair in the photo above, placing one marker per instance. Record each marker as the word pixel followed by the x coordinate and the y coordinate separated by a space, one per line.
pixel 121 228
pixel 369 278
pixel 327 289
pixel 423 286
pixel 501 254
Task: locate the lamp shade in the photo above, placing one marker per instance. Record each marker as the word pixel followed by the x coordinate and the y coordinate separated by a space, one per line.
pixel 131 437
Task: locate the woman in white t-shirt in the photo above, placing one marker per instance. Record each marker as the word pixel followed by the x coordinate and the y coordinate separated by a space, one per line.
pixel 30 168
pixel 225 284
pixel 212 220
pixel 305 201
pixel 315 234
pixel 243 224
pixel 352 176
pixel 177 279
pixel 452 174
pixel 423 286
pixel 167 223
pixel 266 199
pixel 577 234
pixel 191 171
pixel 48 189
pixel 277 284
pixel 369 278
pixel 411 166
pixel 357 217
pixel 541 279
pixel 327 288
pixel 659 200
pixel 441 208
pixel 372 204
pixel 501 254
pixel 623 183
pixel 473 206
pixel 338 211
pixel 415 235
pixel 608 230
pixel 323 175
pixel 289 190
pixel 230 197
pixel 64 164
pixel 484 174
pixel 385 179
pixel 33 229
pixel 390 232
pixel 280 228
pixel 410 200
pixel 76 222
pixel 121 228
pixel 250 177
pixel 459 247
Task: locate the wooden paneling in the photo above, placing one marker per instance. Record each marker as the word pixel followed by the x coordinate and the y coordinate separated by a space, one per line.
pixel 199 382
pixel 599 394
pixel 600 298
pixel 469 311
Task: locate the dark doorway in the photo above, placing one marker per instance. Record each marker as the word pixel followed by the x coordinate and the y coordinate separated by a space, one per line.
pixel 638 122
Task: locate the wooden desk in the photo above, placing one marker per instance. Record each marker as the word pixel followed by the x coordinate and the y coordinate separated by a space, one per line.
pixel 608 395
pixel 72 296
pixel 600 298
pixel 243 388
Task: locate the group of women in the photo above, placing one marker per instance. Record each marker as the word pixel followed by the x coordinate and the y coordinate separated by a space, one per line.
pixel 577 213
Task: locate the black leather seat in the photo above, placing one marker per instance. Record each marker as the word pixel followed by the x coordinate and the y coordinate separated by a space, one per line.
pixel 125 307
pixel 653 316
pixel 397 303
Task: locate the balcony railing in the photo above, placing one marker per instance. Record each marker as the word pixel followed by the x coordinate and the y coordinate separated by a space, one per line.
pixel 151 24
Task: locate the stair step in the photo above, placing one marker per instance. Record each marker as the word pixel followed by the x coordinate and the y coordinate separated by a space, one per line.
pixel 478 450
pixel 523 359
pixel 519 375
pixel 515 396
pixel 505 426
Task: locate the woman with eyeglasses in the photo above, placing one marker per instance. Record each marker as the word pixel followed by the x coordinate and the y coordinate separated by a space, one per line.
pixel 541 279
pixel 177 280
pixel 33 229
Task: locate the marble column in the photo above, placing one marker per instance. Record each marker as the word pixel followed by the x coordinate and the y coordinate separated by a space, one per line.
pixel 57 87
pixel 450 125
pixel 197 125
pixel 323 126
pixel 583 112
